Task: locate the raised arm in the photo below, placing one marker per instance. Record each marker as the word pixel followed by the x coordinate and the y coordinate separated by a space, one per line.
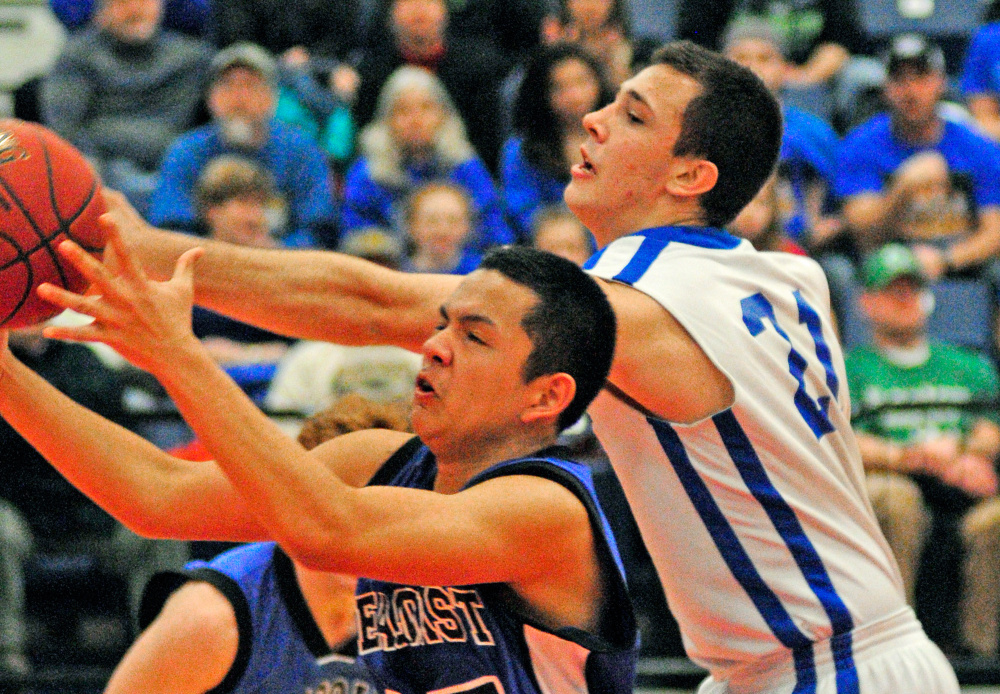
pixel 147 490
pixel 317 295
pixel 530 532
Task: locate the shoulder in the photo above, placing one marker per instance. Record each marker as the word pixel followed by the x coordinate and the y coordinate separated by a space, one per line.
pixel 356 457
pixel 800 120
pixel 985 36
pixel 291 140
pixel 201 137
pixel 875 129
pixel 964 360
pixel 512 150
pixel 959 136
pixel 193 48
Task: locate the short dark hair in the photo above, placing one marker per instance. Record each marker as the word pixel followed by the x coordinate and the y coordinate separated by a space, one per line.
pixel 572 327
pixel 735 123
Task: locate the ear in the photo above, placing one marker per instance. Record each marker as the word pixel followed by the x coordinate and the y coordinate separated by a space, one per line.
pixel 690 177
pixel 550 395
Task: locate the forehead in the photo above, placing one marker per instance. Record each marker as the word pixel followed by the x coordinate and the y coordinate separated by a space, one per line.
pixel 914 70
pixel 240 74
pixel 491 295
pixel 665 91
pixel 753 46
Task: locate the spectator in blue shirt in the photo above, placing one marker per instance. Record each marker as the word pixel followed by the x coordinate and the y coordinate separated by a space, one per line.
pixel 242 99
pixel 561 85
pixel 417 137
pixel 981 72
pixel 914 176
pixel 807 161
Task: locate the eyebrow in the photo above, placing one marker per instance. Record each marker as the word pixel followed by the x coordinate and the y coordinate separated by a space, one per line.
pixel 636 96
pixel 471 318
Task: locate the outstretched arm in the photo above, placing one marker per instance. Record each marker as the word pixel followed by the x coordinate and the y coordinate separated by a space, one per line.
pixel 317 295
pixel 530 532
pixel 658 365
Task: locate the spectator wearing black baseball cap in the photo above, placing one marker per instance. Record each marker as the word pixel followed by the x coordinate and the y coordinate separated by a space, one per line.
pixel 914 176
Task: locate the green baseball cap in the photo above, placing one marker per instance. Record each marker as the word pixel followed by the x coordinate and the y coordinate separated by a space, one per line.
pixel 891 262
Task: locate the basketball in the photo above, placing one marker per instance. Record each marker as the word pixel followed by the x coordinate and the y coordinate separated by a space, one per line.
pixel 48 193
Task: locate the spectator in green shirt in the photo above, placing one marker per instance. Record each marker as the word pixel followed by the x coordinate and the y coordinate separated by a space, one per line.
pixel 929 448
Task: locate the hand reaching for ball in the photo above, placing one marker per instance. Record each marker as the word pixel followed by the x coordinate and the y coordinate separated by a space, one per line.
pixel 146 321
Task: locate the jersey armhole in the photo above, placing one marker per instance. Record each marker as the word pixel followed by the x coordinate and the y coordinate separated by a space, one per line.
pixel 617 626
pixel 162 585
pixel 391 467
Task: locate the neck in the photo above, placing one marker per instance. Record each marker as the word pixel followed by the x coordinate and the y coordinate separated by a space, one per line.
pixel 427 261
pixel 330 598
pixel 925 132
pixel 689 216
pixel 456 465
pixel 892 341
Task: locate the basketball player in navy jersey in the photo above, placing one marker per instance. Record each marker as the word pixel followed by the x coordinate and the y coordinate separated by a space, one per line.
pixel 489 565
pixel 727 420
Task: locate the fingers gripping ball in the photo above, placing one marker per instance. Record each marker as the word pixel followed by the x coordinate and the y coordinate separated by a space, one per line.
pixel 48 193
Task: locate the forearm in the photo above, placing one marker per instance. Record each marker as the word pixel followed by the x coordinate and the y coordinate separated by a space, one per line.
pixel 983 440
pixel 878 453
pixel 307 294
pixel 980 246
pixel 120 471
pixel 300 502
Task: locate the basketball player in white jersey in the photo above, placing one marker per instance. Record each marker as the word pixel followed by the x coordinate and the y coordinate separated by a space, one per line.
pixel 726 416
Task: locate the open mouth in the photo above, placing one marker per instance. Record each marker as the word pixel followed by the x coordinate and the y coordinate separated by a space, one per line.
pixel 586 165
pixel 424 386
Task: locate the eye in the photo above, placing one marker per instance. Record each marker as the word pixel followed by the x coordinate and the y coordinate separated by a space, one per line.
pixel 439 327
pixel 475 338
pixel 634 118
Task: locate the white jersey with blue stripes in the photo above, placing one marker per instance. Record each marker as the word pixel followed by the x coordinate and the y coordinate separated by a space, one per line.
pixel 757 518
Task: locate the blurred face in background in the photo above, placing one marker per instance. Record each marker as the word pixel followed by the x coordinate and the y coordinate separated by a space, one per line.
pixel 419 23
pixel 244 220
pixel 131 21
pixel 573 91
pixel 564 236
pixel 440 222
pixel 242 101
pixel 898 312
pixel 762 58
pixel 913 93
pixel 414 121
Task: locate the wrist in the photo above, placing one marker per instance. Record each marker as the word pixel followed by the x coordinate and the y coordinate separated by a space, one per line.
pixel 948 260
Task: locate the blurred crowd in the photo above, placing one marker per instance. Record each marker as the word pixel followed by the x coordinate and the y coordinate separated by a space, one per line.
pixel 419 133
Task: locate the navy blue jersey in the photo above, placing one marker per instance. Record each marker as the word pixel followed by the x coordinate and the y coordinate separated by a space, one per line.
pixel 474 638
pixel 281 649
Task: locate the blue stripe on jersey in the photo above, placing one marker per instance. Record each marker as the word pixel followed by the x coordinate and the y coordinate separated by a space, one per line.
pixel 593 260
pixel 657 238
pixel 733 553
pixel 801 548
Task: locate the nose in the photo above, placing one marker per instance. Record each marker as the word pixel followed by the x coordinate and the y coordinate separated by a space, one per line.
pixel 594 124
pixel 437 349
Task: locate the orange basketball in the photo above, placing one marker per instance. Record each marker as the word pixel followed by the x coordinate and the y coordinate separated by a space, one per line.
pixel 48 193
